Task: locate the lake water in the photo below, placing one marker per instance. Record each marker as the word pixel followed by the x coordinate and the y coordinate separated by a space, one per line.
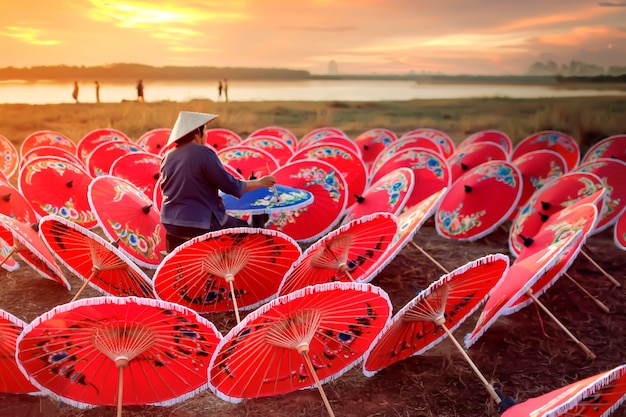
pixel 313 90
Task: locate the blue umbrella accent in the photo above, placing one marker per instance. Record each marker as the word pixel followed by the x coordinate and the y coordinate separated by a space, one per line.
pixel 268 200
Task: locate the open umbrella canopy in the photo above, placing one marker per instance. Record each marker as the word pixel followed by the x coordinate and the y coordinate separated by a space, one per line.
pixel 609 147
pixel 9 158
pixel 479 201
pixel 612 173
pixel 538 168
pixel 299 340
pixel 436 311
pixel 372 142
pixel 12 380
pixel 552 140
pixel 54 186
pixel 347 161
pixel 220 138
pixel 104 155
pixel 53 151
pixel 420 142
pixel 349 253
pixel 15 205
pixel 94 260
pixel 118 351
pixel 279 149
pixel 578 218
pixel 278 198
pixel 46 138
pixel 250 162
pixel 430 169
pixel 344 141
pixel 472 155
pixel 154 140
pixel 493 136
pixel 446 144
pixel 139 168
pixel 549 199
pixel 128 217
pixel 597 395
pixel 97 137
pixel 320 133
pixel 279 132
pixel 29 247
pixel 389 195
pixel 329 191
pixel 521 276
pixel 226 269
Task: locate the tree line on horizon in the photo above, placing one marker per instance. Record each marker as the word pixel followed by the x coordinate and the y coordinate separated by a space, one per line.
pixel 574 69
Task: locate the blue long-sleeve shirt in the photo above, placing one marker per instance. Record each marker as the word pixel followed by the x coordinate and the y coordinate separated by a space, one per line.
pixel 192 177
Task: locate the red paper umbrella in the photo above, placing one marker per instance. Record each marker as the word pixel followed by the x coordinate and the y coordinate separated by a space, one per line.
pixel 139 168
pixel 464 159
pixel 13 204
pixel 430 169
pixel 6 253
pixel 522 275
pixel 94 260
pixel 435 313
pixel 609 147
pixel 57 187
pixel 345 160
pixel 226 270
pixel 120 351
pixel 9 158
pixel 97 137
pixel 29 247
pixel 551 198
pixel 300 340
pixel 154 140
pixel 444 141
pixel 249 161
pixel 481 200
pixel 619 233
pixel 538 168
pixel 220 138
pixel 102 156
pixel 51 151
pixel 47 138
pixel 598 395
pixel 552 140
pixel 13 380
pixel 329 189
pixel 409 222
pixel 128 217
pixel 320 133
pixel 278 132
pixel 279 149
pixel 388 195
pixel 349 253
pixel 612 173
pixel 372 142
pixel 157 196
pixel 493 136
pixel 420 142
pixel 579 217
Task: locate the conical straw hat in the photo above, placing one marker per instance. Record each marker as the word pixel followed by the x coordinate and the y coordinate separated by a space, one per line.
pixel 186 122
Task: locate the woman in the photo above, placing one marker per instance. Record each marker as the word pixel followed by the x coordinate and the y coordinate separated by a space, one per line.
pixel 192 175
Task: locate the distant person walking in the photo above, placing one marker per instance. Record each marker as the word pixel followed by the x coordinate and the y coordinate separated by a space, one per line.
pixel 97 91
pixel 75 92
pixel 140 91
pixel 225 90
pixel 219 91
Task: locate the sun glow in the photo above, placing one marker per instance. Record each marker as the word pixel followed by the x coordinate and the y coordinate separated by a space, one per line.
pixel 28 35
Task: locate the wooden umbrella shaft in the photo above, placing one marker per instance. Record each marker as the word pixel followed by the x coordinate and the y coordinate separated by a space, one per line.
pixel 13 250
pixel 423 252
pixel 305 355
pixel 80 290
pixel 606 274
pixel 599 303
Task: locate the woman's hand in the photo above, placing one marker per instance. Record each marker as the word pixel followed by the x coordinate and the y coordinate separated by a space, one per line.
pixel 263 182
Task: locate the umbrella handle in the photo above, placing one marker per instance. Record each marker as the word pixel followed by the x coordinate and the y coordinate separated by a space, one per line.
pixel 580 344
pixel 416 246
pixel 121 364
pixel 13 250
pixel 231 284
pixel 304 351
pixel 606 274
pixel 93 274
pixel 599 303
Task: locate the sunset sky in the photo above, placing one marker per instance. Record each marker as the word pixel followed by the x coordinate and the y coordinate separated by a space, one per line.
pixel 361 36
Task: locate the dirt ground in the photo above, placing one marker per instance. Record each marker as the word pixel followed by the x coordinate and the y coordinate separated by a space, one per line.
pixel 525 354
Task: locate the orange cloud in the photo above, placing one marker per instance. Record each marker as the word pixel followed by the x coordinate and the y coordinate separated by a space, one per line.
pixel 580 36
pixel 32 36
pixel 535 22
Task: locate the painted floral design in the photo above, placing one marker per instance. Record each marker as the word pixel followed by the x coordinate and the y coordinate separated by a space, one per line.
pixel 555 172
pixel 290 198
pixel 325 152
pixel 327 180
pixel 500 172
pixel 552 139
pixel 454 223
